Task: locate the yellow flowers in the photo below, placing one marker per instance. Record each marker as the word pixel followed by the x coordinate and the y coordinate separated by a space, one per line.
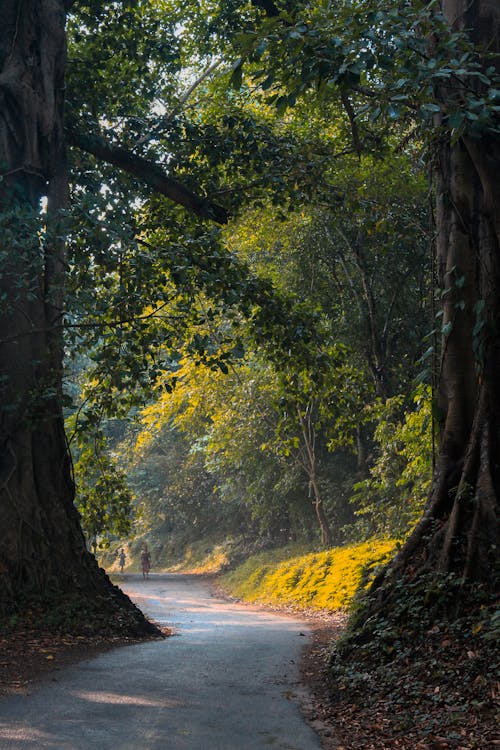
pixel 320 580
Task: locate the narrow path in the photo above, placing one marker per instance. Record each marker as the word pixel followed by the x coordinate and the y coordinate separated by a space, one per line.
pixel 227 680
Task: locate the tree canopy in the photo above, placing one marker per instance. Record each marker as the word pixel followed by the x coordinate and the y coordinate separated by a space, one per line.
pixel 233 224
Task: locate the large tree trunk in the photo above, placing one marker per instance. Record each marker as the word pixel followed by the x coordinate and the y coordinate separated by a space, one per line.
pixel 459 530
pixel 43 557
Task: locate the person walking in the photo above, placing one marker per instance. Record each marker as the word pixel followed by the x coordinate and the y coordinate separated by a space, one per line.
pixel 121 559
pixel 145 562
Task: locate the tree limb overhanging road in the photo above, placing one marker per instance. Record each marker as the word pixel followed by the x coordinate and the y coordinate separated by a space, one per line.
pixel 226 680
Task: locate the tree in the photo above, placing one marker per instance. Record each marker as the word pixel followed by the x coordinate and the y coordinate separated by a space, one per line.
pixel 103 498
pixel 42 550
pixel 413 62
pixel 459 530
pixel 226 421
pixel 317 401
pixel 42 545
pixel 177 496
pixel 390 500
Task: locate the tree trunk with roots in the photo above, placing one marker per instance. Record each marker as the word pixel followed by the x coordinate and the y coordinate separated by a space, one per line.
pixel 43 556
pixel 458 533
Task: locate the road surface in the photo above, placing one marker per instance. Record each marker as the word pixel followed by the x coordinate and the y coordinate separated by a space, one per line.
pixel 227 680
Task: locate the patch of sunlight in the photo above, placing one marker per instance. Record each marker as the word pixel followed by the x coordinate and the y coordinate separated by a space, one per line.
pixel 198 559
pixel 23 733
pixel 128 700
pixel 319 580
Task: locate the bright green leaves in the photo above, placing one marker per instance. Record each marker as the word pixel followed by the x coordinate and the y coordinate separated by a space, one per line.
pixel 399 60
pixel 391 499
pixel 103 499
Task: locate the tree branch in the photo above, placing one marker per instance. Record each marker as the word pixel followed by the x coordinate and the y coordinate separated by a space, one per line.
pixel 346 102
pixel 147 171
pixel 182 100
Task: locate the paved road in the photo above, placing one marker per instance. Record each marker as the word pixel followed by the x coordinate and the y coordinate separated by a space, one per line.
pixel 226 681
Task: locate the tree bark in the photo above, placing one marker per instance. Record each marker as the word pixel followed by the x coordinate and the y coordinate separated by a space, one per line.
pixel 326 534
pixel 458 533
pixel 43 557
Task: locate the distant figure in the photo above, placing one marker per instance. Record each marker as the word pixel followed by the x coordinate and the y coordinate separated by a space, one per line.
pixel 121 560
pixel 145 562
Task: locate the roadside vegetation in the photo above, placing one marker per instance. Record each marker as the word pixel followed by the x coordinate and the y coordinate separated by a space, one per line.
pixel 327 580
pixel 250 304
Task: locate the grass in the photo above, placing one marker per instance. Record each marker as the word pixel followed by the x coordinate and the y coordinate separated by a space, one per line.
pixel 202 557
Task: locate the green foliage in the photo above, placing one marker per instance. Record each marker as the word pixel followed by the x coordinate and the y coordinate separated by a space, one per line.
pixel 245 416
pixel 392 498
pixel 238 338
pixel 176 488
pixel 383 57
pixel 103 498
pixel 227 419
pixel 139 65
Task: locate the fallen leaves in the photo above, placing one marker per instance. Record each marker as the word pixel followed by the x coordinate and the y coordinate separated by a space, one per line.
pixel 442 696
pixel 27 655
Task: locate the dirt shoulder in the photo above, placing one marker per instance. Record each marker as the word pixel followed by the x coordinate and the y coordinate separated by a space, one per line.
pixel 27 656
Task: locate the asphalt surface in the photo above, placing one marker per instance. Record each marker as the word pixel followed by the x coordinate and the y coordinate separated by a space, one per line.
pixel 227 680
